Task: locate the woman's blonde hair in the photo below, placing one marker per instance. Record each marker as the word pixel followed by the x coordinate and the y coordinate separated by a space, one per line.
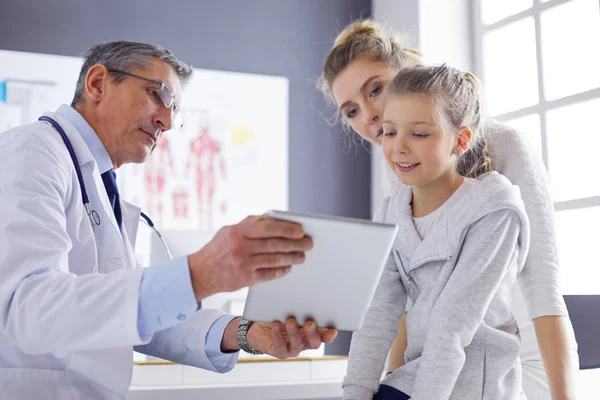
pixel 364 39
pixel 456 98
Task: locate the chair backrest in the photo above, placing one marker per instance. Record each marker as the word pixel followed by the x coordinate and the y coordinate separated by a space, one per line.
pixel 585 317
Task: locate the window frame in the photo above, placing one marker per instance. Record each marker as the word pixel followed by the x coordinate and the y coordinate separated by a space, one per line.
pixel 543 106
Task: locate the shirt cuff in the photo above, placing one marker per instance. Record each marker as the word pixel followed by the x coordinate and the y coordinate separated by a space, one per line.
pixel 166 297
pixel 222 362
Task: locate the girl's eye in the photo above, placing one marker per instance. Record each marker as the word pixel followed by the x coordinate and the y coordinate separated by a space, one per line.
pixel 420 135
pixel 351 113
pixel 375 91
pixel 389 133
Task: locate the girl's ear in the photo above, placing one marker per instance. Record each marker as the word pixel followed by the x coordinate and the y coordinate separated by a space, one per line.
pixel 464 140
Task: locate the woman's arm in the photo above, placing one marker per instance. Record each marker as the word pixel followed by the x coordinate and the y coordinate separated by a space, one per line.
pixel 539 281
pixel 553 333
pixel 396 357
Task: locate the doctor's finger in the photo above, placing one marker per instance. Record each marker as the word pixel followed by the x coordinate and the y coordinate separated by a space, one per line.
pixel 279 347
pixel 279 245
pixel 268 274
pixel 327 335
pixel 295 341
pixel 312 339
pixel 275 260
pixel 271 228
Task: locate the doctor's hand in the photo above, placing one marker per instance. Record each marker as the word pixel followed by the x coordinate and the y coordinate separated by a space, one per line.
pixel 256 250
pixel 289 339
pixel 278 339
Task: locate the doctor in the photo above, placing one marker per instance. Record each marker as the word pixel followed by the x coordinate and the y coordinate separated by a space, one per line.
pixel 73 305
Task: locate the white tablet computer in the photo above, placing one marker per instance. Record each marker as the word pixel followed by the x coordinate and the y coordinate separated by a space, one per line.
pixel 336 283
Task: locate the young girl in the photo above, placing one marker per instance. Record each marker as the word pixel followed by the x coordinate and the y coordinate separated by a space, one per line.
pixel 463 237
pixel 357 71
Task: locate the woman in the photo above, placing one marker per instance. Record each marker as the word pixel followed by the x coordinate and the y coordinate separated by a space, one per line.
pixel 362 62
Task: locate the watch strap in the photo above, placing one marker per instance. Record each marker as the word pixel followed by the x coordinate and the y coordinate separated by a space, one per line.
pixel 243 337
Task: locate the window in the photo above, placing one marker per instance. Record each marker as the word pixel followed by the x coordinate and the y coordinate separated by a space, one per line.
pixel 510 67
pixel 539 61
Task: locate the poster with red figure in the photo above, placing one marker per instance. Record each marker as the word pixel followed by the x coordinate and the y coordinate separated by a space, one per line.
pixel 229 160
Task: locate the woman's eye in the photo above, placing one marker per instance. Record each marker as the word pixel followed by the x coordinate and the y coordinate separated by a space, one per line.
pixel 420 135
pixel 375 91
pixel 389 133
pixel 351 113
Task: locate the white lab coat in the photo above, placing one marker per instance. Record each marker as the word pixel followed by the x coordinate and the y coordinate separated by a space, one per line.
pixel 69 293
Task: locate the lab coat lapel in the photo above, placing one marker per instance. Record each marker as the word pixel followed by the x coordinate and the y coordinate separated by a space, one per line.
pixel 113 252
pixel 88 164
pixel 131 220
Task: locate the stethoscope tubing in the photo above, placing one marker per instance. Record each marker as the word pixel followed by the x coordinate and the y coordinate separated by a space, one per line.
pixel 92 214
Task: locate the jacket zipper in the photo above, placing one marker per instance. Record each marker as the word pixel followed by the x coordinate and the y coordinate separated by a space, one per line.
pixel 411 281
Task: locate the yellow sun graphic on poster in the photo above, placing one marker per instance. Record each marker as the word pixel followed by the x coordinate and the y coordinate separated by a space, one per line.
pixel 242 134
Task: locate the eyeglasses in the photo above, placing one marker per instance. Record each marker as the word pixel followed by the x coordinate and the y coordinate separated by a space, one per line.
pixel 163 93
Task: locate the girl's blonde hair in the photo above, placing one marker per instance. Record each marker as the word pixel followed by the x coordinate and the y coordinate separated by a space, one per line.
pixel 364 39
pixel 457 100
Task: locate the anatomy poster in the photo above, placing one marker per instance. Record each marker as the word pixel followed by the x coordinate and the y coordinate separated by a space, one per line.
pixel 229 159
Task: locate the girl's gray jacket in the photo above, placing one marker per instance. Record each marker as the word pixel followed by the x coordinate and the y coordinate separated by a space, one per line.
pixel 463 341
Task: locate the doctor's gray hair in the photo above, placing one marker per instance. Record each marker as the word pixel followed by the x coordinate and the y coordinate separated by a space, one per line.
pixel 127 56
pixel 457 102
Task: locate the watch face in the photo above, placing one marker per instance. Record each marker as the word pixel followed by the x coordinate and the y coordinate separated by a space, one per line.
pixel 245 323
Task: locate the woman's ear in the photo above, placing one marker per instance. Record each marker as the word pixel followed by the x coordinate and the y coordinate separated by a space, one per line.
pixel 464 140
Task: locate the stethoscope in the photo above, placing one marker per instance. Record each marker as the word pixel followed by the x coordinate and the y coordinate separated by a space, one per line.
pixel 92 214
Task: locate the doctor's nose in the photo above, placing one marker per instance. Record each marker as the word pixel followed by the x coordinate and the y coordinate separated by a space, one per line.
pixel 164 119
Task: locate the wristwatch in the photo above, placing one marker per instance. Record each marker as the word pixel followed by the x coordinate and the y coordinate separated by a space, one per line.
pixel 243 337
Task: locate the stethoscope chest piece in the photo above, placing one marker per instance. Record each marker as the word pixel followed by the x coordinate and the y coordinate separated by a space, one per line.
pixel 92 215
pixel 95 217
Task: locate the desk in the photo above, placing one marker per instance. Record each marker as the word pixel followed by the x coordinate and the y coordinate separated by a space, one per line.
pixel 253 378
pixel 267 379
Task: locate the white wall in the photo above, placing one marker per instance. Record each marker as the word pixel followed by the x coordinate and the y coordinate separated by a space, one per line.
pixel 445 32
